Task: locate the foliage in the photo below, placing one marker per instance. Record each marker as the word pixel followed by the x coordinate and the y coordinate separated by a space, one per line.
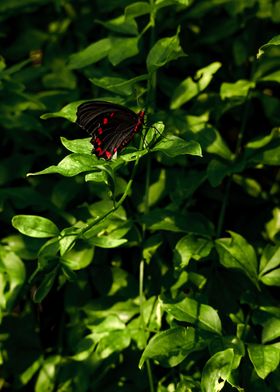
pixel 158 270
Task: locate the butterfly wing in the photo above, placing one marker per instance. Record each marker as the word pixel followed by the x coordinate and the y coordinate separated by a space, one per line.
pixel 111 126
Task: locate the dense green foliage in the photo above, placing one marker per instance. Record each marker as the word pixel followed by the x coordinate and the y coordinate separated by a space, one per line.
pixel 158 270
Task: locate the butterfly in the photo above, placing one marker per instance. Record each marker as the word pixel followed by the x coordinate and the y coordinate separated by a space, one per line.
pixel 110 125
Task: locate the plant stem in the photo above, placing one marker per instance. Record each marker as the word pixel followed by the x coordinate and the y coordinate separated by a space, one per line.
pixel 237 151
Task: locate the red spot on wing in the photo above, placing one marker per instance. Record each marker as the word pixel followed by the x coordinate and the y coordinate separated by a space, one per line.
pixel 98 141
pixel 140 121
pixel 105 120
pixel 112 114
pixel 108 154
pixel 100 131
pixel 98 151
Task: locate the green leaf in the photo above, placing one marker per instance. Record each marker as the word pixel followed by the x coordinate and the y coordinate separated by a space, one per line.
pixel 80 146
pixel 191 311
pixel 7 6
pixel 270 259
pixel 48 254
pixel 221 343
pixel 164 51
pixel 12 277
pixel 271 330
pixel 122 49
pixel 78 259
pixel 272 278
pixel 207 136
pixel 217 170
pixel 46 380
pixel 35 226
pixel 264 358
pixel 189 88
pixel 138 8
pixel 108 242
pixel 237 89
pixel 68 238
pixel 191 247
pixel 132 156
pixel 249 185
pixel 265 150
pixel 273 226
pixel 121 24
pixel 71 165
pixel 60 77
pixel 150 246
pixel 115 341
pixel 118 85
pixel 157 191
pixel 90 55
pixel 165 3
pixel 272 77
pixel 239 254
pixel 160 219
pixel 69 112
pixel 45 286
pixel 275 41
pixel 173 145
pixel 217 370
pixel 171 347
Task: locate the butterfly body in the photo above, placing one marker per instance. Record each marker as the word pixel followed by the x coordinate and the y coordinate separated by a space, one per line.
pixel 110 125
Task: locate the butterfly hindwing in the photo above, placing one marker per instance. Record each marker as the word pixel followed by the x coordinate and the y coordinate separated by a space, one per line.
pixel 111 126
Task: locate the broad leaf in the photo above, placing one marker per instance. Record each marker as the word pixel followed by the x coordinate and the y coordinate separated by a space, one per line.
pixel 90 55
pixel 191 87
pixel 191 247
pixel 191 311
pixel 174 146
pixel 164 51
pixel 236 252
pixel 264 358
pixel 171 347
pixel 217 370
pixel 35 226
pixel 275 41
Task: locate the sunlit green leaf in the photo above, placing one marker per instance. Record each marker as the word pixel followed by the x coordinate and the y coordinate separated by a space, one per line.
pixel 191 311
pixel 271 330
pixel 236 252
pixel 191 246
pixel 118 85
pixel 191 87
pixel 91 54
pixel 275 41
pixel 78 259
pixel 172 346
pixel 71 165
pixel 35 226
pixel 238 89
pixel 122 49
pixel 217 370
pixel 164 51
pixel 174 146
pixel 264 358
pixel 121 24
pixel 12 277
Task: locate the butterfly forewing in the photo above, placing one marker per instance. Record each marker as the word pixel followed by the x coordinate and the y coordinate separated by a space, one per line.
pixel 111 126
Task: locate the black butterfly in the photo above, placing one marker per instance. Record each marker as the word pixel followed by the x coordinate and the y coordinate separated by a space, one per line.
pixel 111 126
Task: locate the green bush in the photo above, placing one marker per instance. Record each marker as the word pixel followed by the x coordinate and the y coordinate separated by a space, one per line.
pixel 157 270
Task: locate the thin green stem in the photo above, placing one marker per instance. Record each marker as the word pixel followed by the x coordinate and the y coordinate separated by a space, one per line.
pixel 150 104
pixel 237 151
pixel 223 208
pixel 115 207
